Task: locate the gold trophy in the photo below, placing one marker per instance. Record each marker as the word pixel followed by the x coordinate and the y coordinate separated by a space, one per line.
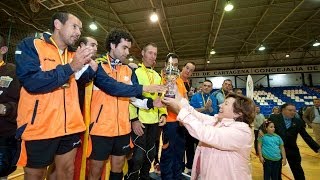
pixel 171 75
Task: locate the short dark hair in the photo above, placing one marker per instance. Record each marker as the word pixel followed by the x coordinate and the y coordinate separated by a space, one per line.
pixel 172 55
pixel 115 36
pixel 149 44
pixel 286 105
pixel 275 107
pixel 190 63
pixel 207 80
pixel 2 40
pixel 227 80
pixel 245 106
pixel 62 16
pixel 84 40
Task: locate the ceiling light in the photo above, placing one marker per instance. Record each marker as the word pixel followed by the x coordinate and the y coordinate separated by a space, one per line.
pixel 130 58
pixel 154 16
pixel 93 26
pixel 287 55
pixel 262 48
pixel 316 43
pixel 208 61
pixel 229 6
pixel 212 52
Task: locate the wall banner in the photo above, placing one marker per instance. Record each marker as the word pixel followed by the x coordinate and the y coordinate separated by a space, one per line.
pixel 263 70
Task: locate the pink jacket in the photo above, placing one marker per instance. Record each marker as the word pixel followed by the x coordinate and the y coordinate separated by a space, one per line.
pixel 224 148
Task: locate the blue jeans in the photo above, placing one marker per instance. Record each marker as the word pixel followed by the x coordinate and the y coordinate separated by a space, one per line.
pixel 172 151
pixel 271 169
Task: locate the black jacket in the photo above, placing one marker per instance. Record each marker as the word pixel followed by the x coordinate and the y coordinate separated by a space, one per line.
pixel 9 97
pixel 289 136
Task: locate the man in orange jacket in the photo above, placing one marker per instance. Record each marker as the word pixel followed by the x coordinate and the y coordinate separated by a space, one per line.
pixel 110 127
pixel 49 117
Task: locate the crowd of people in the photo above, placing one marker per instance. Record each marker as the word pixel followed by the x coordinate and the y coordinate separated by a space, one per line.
pixel 208 133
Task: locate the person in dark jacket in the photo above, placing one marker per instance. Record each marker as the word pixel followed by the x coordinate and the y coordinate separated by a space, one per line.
pixel 9 96
pixel 288 127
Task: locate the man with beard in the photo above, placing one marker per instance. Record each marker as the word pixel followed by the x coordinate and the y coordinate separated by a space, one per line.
pixel 110 127
pixel 49 117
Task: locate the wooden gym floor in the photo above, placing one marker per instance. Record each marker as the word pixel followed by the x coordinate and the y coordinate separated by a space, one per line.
pixel 310 164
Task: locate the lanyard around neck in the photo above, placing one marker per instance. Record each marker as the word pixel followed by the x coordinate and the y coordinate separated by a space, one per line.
pixel 224 95
pixel 204 101
pixel 109 62
pixel 151 79
pixel 65 59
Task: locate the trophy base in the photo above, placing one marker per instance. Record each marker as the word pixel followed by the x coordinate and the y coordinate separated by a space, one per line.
pixel 170 95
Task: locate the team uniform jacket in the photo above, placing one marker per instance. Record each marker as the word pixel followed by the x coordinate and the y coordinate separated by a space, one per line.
pixel 172 117
pixel 147 116
pixel 110 104
pixel 46 110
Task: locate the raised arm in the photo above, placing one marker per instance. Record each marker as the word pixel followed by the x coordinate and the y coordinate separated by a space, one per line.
pixel 225 138
pixel 308 139
pixel 30 74
pixel 111 86
pixel 200 116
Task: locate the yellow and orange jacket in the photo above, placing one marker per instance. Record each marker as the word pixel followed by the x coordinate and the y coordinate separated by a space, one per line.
pixel 46 110
pixel 110 107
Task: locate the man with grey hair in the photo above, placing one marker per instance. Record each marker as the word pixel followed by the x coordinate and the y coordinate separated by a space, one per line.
pixel 312 117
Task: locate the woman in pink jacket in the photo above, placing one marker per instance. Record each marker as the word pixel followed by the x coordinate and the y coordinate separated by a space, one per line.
pixel 225 139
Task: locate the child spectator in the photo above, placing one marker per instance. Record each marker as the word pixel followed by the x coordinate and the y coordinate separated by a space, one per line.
pixel 271 151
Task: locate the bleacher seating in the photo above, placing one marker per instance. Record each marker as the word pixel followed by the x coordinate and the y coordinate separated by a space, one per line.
pixel 267 98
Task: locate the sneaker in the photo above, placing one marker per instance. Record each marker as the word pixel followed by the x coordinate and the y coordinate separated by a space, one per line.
pixel 157 169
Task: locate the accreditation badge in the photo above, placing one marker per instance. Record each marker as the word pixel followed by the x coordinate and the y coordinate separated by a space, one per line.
pixel 5 81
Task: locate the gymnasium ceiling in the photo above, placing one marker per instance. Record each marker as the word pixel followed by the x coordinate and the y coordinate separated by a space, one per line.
pixel 191 28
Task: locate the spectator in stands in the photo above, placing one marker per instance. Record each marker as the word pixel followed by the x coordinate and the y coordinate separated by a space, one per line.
pixel 224 91
pixel 204 102
pixel 225 139
pixel 312 117
pixel 9 96
pixel 288 127
pixel 271 151
pixel 238 91
pixel 191 92
pixel 258 121
pixel 275 110
pixel 199 88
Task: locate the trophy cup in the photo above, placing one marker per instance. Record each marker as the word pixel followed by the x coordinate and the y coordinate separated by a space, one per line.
pixel 171 75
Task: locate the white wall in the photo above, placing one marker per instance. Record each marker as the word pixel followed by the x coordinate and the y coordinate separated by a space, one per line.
pixel 278 80
pixel 315 78
pixel 257 80
pixel 196 82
